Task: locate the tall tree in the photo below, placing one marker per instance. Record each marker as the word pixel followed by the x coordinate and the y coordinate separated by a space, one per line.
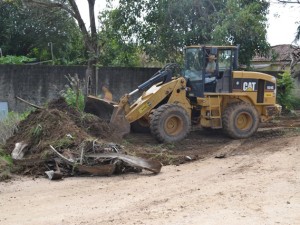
pixel 243 22
pixel 89 35
pixel 116 49
pixel 31 32
pixel 163 27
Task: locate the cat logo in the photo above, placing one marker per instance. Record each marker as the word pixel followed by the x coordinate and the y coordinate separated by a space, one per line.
pixel 249 86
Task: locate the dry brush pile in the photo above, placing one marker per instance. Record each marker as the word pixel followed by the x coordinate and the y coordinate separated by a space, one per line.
pixel 61 139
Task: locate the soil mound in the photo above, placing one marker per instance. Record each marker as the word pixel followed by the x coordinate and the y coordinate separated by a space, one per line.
pixel 58 125
pixel 92 124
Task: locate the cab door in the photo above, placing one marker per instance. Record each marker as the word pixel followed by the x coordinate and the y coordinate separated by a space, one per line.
pixel 194 71
pixel 225 67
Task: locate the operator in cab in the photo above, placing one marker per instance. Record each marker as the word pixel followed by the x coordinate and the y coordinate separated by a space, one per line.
pixel 211 65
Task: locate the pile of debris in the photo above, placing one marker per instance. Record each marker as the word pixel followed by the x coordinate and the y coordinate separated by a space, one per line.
pixel 62 141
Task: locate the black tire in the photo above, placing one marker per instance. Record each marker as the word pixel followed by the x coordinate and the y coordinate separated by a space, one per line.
pixel 240 120
pixel 170 123
pixel 140 126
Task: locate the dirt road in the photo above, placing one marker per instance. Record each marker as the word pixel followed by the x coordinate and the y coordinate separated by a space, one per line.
pixel 257 182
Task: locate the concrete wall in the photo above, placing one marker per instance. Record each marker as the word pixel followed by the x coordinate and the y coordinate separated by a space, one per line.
pixel 39 84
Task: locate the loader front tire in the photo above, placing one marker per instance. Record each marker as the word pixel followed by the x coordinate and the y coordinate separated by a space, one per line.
pixel 140 126
pixel 240 120
pixel 170 123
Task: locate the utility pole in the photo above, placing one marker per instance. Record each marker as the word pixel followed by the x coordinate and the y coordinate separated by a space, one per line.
pixel 1 52
pixel 51 49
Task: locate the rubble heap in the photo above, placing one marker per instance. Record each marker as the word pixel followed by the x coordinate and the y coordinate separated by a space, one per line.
pixel 63 141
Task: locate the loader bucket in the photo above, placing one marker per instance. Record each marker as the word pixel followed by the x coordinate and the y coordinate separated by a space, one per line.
pixel 110 111
pixel 99 107
pixel 119 122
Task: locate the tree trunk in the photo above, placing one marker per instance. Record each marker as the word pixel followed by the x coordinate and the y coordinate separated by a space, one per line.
pixel 90 39
pixel 90 75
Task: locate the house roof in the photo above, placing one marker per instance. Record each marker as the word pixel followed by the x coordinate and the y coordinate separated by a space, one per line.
pixel 277 53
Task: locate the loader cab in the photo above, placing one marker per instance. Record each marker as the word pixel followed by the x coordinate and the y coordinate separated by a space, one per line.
pixel 198 79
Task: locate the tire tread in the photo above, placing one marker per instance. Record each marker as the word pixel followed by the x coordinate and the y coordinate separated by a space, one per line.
pixel 155 124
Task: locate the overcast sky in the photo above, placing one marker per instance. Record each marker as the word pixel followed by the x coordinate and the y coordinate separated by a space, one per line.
pixel 282 29
pixel 282 20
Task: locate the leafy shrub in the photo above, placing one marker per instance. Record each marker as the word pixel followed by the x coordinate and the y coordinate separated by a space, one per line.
pixel 295 102
pixel 10 59
pixel 73 93
pixel 74 99
pixel 285 86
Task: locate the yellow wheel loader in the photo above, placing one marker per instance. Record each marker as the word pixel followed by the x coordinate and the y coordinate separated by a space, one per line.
pixel 173 100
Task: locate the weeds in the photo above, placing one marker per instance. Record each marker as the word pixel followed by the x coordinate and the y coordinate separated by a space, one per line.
pixel 73 94
pixel 37 132
pixel 126 142
pixel 170 146
pixel 8 126
pixel 7 159
pixel 5 165
pixel 64 142
pixel 285 86
pixel 4 157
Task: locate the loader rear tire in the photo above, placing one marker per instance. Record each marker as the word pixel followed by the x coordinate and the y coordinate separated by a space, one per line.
pixel 240 120
pixel 170 123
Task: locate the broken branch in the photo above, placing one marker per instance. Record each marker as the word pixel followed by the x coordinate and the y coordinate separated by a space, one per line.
pixel 68 161
pixel 31 104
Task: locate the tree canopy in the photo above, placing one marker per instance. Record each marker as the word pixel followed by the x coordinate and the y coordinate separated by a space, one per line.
pixel 115 49
pixel 33 31
pixel 158 28
pixel 163 27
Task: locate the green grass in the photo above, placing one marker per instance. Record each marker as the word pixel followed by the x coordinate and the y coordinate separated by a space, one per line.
pixel 64 142
pixel 6 163
pixel 9 125
pixel 5 157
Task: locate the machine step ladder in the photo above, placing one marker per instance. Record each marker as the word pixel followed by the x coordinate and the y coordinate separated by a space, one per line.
pixel 214 112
